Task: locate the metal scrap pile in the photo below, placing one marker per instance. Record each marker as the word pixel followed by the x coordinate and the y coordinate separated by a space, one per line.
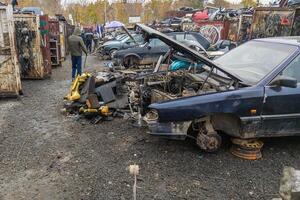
pixel 97 97
pixel 25 42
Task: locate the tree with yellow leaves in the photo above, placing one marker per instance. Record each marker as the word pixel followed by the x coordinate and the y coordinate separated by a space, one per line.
pixel 249 3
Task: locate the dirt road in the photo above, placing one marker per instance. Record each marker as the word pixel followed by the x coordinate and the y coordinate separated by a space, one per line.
pixel 46 155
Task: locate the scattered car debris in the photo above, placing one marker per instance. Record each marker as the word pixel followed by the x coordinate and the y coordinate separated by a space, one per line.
pixel 96 97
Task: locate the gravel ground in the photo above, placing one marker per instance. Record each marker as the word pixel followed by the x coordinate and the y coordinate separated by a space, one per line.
pixel 46 155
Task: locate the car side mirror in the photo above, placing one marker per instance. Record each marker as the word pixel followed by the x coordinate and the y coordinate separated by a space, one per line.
pixel 284 81
pixel 149 47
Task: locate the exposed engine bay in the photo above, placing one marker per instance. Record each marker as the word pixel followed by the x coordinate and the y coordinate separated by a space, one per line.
pixel 167 85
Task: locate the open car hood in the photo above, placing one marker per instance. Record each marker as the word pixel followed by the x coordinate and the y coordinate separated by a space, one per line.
pixel 179 47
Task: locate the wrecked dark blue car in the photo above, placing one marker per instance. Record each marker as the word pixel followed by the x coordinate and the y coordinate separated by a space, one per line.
pixel 253 92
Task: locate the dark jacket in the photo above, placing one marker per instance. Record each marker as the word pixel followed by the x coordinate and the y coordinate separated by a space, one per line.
pixel 14 2
pixel 76 44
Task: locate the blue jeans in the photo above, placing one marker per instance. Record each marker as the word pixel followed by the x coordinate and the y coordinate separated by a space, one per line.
pixel 76 66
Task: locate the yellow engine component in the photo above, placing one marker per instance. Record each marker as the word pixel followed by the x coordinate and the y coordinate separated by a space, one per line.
pixel 88 110
pixel 74 93
pixel 105 110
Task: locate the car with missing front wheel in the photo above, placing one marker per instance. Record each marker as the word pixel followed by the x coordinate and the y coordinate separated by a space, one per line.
pixel 110 47
pixel 250 92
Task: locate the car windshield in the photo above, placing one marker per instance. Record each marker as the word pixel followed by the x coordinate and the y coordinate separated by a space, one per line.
pixel 120 37
pixel 125 39
pixel 253 60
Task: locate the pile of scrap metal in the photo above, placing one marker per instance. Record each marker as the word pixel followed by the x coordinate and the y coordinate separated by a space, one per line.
pixel 220 24
pixel 25 39
pixel 96 97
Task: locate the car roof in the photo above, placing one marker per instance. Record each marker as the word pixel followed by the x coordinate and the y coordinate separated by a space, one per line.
pixel 290 40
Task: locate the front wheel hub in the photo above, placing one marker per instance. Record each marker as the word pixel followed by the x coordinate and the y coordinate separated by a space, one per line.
pixel 209 142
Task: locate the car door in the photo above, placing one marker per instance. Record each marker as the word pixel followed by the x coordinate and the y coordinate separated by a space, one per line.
pixel 281 109
pixel 154 49
pixel 129 43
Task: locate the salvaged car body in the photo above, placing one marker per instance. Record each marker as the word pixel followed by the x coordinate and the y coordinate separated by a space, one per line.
pixel 150 52
pixel 250 92
pixel 109 47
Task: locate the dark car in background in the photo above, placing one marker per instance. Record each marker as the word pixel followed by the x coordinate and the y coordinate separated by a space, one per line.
pixel 171 21
pixel 32 10
pixel 252 91
pixel 124 42
pixel 150 52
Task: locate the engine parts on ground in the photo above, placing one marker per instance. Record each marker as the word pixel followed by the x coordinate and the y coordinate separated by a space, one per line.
pixel 74 93
pixel 97 97
pixel 10 83
pixel 247 149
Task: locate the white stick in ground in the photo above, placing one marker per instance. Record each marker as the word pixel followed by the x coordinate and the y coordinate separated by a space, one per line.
pixel 134 170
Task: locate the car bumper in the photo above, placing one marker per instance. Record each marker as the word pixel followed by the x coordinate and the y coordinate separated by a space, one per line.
pixel 172 130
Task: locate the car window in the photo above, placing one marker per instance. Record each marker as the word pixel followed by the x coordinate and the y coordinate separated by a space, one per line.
pixel 199 38
pixel 139 39
pixel 253 60
pixel 190 37
pixel 125 39
pixel 293 69
pixel 130 41
pixel 156 43
pixel 180 37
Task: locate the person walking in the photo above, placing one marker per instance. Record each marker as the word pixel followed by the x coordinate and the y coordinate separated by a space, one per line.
pixel 76 46
pixel 89 40
pixel 14 3
pixel 96 38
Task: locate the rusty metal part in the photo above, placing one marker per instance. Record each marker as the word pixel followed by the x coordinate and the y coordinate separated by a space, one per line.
pixel 207 138
pixel 209 143
pixel 152 115
pixel 158 96
pixel 249 149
